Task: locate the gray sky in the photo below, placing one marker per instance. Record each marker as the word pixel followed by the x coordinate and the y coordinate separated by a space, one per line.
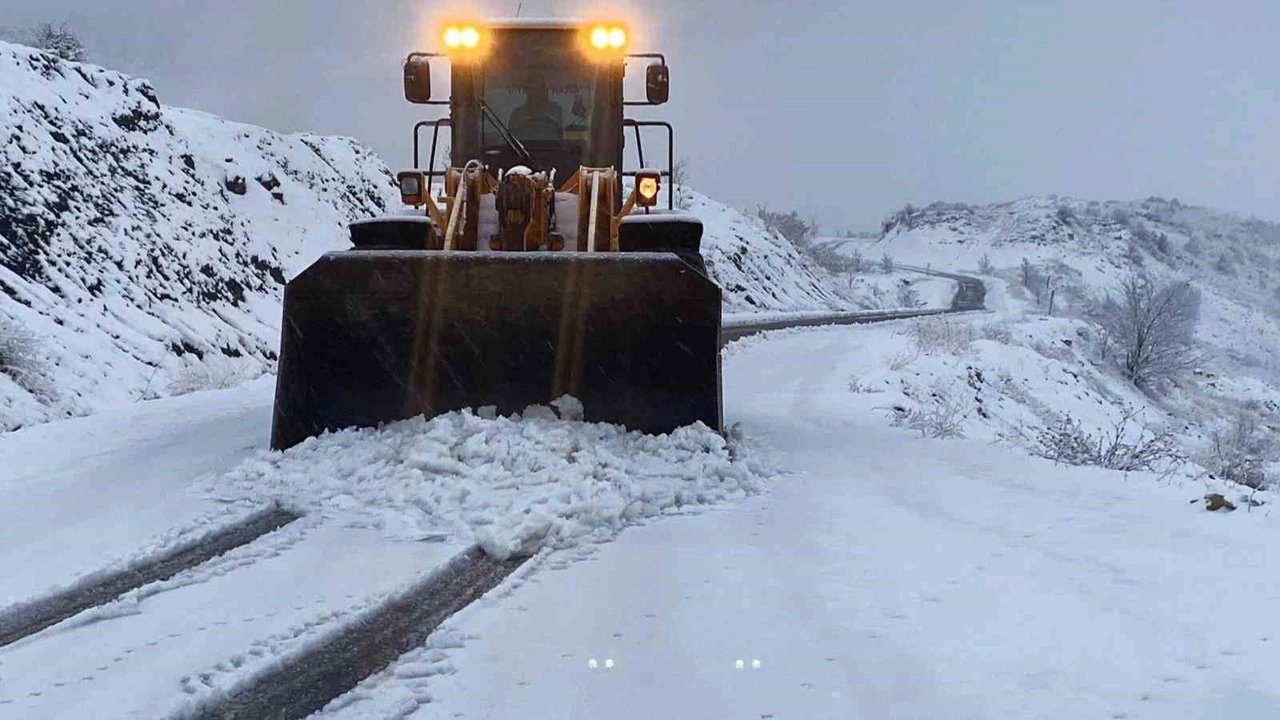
pixel 844 110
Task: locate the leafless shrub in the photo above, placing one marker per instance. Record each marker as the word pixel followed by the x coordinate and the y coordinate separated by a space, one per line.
pixel 941 415
pixel 876 299
pixel 857 262
pixel 1242 450
pixel 787 224
pixel 1119 449
pixel 1150 329
pixel 856 386
pixel 21 360
pixel 996 332
pixel 941 335
pixel 212 374
pixel 886 264
pixel 984 265
pixel 900 360
pixel 908 297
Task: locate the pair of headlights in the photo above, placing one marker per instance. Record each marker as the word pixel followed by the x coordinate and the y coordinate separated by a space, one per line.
pixel 605 38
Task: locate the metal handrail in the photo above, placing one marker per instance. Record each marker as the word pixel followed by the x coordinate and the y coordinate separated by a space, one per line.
pixel 669 173
pixel 431 173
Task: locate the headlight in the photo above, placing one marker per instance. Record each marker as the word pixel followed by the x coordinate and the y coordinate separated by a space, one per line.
pixel 600 38
pixel 611 38
pixel 463 37
pixel 648 182
pixel 411 187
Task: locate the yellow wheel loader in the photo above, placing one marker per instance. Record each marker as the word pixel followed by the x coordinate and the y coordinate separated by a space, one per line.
pixel 532 266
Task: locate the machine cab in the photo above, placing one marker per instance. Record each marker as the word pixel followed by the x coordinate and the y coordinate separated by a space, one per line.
pixel 547 95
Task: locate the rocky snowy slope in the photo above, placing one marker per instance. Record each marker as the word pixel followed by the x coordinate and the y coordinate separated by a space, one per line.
pixel 143 249
pixel 1028 372
pixel 140 243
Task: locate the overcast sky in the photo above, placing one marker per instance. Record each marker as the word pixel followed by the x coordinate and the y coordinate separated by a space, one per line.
pixel 842 109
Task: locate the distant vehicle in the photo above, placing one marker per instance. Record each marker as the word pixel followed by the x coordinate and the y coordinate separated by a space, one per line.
pixel 536 273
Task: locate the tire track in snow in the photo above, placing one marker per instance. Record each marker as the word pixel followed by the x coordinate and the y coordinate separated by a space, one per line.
pixel 32 617
pixel 323 670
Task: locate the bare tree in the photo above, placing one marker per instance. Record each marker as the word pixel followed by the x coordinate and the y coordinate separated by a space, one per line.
pixel 984 265
pixel 886 264
pixel 1031 278
pixel 59 40
pixel 680 183
pixel 1152 327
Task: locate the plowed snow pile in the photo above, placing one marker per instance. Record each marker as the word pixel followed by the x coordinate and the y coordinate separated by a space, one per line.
pixel 511 484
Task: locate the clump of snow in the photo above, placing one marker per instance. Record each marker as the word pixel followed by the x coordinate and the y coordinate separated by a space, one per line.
pixel 511 484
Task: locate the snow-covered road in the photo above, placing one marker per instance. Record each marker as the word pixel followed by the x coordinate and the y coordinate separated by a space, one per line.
pixel 884 576
pixel 889 577
pixel 91 493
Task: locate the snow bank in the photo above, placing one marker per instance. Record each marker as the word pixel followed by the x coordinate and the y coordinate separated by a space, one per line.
pixel 139 242
pixel 510 484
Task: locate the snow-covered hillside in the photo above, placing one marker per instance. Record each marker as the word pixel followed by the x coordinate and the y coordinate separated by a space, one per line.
pixel 758 270
pixel 143 249
pixel 1086 247
pixel 1027 370
pixel 138 241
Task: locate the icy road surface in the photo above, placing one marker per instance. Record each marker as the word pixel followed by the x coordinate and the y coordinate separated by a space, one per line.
pixel 889 577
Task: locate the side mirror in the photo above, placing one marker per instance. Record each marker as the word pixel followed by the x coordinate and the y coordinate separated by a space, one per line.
pixel 657 83
pixel 417 80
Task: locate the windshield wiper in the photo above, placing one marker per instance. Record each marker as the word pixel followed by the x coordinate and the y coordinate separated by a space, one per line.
pixel 512 141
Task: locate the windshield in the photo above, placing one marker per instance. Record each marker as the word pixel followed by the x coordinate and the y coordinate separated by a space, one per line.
pixel 543 89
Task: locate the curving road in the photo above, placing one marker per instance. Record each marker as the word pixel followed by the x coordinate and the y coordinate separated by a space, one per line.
pixel 970 296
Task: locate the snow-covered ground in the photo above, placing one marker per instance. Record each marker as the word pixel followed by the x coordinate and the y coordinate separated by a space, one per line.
pixel 383 509
pixel 884 576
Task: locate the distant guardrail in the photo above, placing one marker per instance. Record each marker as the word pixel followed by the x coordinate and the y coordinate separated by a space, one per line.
pixel 971 294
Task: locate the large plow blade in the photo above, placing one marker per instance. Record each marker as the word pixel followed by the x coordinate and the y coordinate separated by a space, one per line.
pixel 372 336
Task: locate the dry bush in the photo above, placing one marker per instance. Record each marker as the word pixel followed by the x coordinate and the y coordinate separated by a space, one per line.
pixel 941 334
pixel 856 386
pixel 984 265
pixel 997 332
pixel 1242 450
pixel 900 360
pixel 1119 449
pixel 908 297
pixel 941 415
pixel 213 374
pixel 21 360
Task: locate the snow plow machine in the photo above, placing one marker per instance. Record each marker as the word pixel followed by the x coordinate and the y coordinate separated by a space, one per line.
pixel 543 268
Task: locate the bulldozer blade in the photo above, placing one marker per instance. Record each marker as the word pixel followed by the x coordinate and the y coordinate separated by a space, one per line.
pixel 373 336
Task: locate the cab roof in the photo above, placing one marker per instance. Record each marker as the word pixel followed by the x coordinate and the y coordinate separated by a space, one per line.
pixel 536 24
